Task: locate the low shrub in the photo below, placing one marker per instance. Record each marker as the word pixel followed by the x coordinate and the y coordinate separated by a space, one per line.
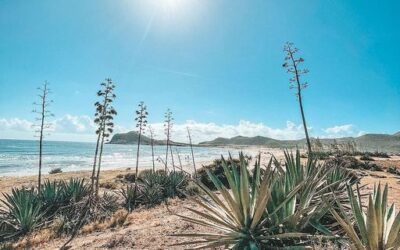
pixel 55 171
pixel 130 177
pixel 109 185
pixel 151 195
pixel 321 155
pixel 62 225
pixel 216 169
pixel 372 166
pixel 366 157
pixel 144 173
pixel 192 189
pixel 352 163
pixel 379 154
pixel 345 162
pixel 393 170
pixel 109 203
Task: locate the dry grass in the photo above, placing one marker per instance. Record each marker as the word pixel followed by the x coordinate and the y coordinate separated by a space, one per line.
pixel 117 220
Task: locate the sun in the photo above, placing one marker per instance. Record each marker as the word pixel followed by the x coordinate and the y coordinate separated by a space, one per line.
pixel 172 6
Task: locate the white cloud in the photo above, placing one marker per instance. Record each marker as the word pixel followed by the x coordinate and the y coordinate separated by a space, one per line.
pixel 15 124
pixel 209 131
pixel 67 127
pixel 74 124
pixel 81 128
pixel 345 130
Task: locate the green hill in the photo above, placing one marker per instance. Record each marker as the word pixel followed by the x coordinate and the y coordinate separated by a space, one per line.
pixel 368 142
pixel 132 138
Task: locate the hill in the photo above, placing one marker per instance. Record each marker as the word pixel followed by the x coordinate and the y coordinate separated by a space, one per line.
pixel 132 138
pixel 367 142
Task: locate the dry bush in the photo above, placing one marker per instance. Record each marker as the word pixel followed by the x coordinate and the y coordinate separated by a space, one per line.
pixel 118 219
pixel 119 241
pixel 109 185
pixel 32 240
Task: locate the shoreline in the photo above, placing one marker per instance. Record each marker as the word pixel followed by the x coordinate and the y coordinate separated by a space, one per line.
pixel 23 179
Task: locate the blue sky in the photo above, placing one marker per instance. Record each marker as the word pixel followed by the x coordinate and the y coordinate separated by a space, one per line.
pixel 215 64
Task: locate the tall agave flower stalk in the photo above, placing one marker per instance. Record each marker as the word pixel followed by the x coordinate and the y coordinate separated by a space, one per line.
pixel 167 129
pixel 104 117
pixel 151 131
pixel 43 113
pixel 191 149
pixel 378 227
pixel 141 122
pixel 292 65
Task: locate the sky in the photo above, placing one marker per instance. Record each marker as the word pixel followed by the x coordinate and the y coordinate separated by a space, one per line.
pixel 217 64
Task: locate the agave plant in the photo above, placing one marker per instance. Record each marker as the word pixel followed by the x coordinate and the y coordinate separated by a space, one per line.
pixel 376 228
pixel 21 211
pixel 239 214
pixel 151 195
pixel 52 196
pixel 305 212
pixel 175 184
pixel 172 184
pixel 75 189
pixel 130 197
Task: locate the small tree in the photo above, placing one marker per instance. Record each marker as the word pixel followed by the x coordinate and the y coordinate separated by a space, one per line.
pixel 141 122
pixel 42 110
pixel 151 132
pixel 191 149
pixel 292 65
pixel 104 117
pixel 167 128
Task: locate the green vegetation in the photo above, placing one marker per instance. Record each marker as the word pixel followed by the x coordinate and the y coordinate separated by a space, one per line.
pixel 21 211
pixel 217 170
pixel 366 157
pixel 154 188
pixel 376 228
pixel 369 142
pixel 55 171
pixel 286 206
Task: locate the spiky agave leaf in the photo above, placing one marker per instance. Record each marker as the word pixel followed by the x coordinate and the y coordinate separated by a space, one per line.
pixel 377 228
pixel 75 189
pixel 22 212
pixel 238 214
pixel 305 212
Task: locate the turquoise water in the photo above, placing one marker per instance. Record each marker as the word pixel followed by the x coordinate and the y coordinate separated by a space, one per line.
pixel 20 157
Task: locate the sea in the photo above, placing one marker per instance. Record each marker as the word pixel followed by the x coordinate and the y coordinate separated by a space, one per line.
pixel 20 157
